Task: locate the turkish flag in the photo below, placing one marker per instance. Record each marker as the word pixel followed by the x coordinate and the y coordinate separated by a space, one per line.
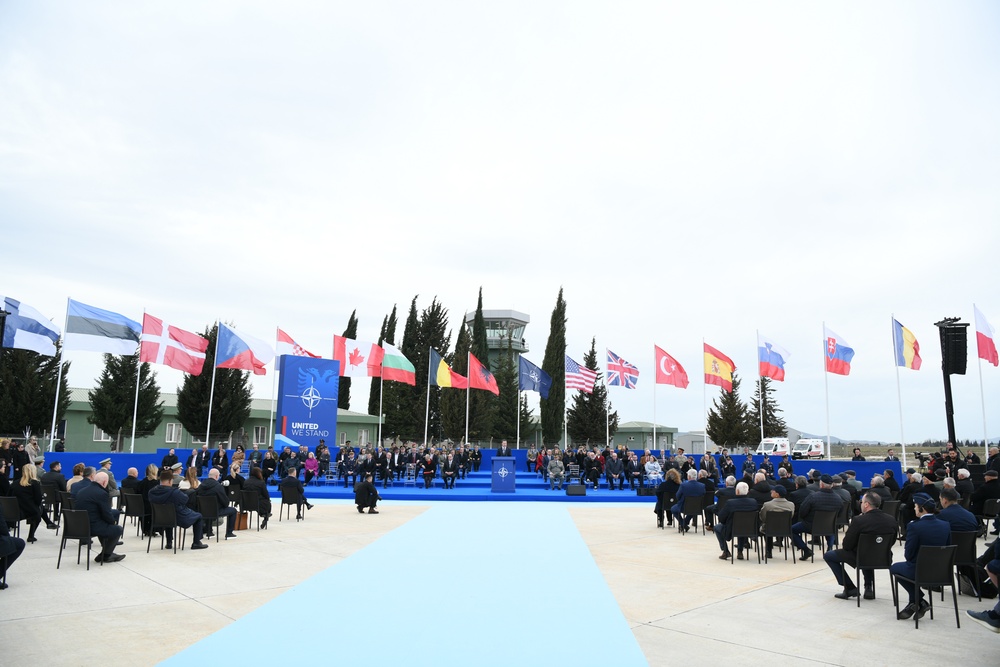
pixel 668 371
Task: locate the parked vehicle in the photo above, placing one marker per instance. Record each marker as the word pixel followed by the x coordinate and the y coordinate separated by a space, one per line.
pixel 774 447
pixel 809 448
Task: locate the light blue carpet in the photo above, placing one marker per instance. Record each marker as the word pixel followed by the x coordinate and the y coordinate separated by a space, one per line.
pixel 461 584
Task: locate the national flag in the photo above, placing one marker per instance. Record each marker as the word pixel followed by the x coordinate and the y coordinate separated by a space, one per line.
pixel 668 371
pixel 440 374
pixel 906 346
pixel 985 339
pixel 171 346
pixel 718 368
pixel 27 329
pixel 396 367
pixel 288 346
pixel 838 353
pixel 532 378
pixel 242 351
pixel 357 358
pixel 580 377
pixel 771 358
pixel 621 373
pixel 97 330
pixel 480 376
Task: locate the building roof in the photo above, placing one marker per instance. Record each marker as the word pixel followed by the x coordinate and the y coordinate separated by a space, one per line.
pixel 645 426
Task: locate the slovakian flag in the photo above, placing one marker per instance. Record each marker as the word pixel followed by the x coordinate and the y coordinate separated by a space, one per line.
pixel 27 329
pixel 579 377
pixel 396 367
pixel 985 339
pixel 439 374
pixel 532 378
pixel 171 346
pixel 771 358
pixel 241 351
pixel 838 353
pixel 906 346
pixel 98 330
pixel 718 368
pixel 621 373
pixel 357 358
pixel 480 376
pixel 668 371
pixel 288 346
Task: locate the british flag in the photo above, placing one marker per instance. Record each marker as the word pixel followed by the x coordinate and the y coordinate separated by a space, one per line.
pixel 621 373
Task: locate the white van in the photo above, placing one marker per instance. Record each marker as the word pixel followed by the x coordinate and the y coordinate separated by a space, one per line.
pixel 809 448
pixel 774 447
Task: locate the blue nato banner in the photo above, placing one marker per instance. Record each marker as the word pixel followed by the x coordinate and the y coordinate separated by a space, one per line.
pixel 307 401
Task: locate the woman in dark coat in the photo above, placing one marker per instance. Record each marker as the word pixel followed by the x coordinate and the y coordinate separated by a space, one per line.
pixel 269 465
pixel 28 491
pixel 256 484
pixel 665 495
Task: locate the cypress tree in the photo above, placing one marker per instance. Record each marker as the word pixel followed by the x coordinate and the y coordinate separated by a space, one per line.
pixel 554 363
pixel 344 392
pixel 509 402
pixel 399 400
pixel 386 335
pixel 28 391
pixel 453 400
pixel 433 332
pixel 587 421
pixel 113 399
pixel 482 404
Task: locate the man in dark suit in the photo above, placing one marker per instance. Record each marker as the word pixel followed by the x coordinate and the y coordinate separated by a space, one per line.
pixel 872 520
pixel 724 519
pixel 449 471
pixel 366 496
pixel 204 459
pixel 213 488
pixel 96 502
pixel 88 479
pixel 925 530
pixel 503 449
pixel 10 549
pixel 960 519
pixel 824 499
pixel 761 489
pixel 220 459
pixel 690 488
pixel 54 476
pixel 614 471
pixel 166 494
pixel 633 471
pixel 989 489
pixel 291 481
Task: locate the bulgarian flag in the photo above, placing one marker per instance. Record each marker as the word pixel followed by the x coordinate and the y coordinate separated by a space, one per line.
pixel 357 358
pixel 396 367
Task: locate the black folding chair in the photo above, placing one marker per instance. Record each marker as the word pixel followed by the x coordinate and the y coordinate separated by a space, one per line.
pixel 50 495
pixel 11 513
pixel 250 502
pixel 208 507
pixel 746 525
pixel 874 553
pixel 991 509
pixel 965 556
pixel 291 496
pixel 778 525
pixel 824 524
pixel 164 518
pixel 76 526
pixel 692 510
pixel 66 500
pixel 134 508
pixel 935 567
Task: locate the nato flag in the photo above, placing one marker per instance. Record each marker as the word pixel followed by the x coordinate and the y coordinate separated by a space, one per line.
pixel 533 378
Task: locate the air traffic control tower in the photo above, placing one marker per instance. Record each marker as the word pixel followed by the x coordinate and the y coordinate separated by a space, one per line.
pixel 503 326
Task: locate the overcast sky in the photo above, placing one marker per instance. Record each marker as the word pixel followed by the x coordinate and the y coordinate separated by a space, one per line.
pixel 683 170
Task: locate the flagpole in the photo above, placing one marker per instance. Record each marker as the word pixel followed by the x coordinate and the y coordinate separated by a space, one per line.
pixel 653 446
pixel 704 398
pixel 826 392
pixel 760 389
pixel 55 408
pixel 518 418
pixel 468 384
pixel 565 406
pixel 211 393
pixel 607 403
pixel 899 392
pixel 274 388
pixel 138 379
pixel 427 409
pixel 381 385
pixel 982 395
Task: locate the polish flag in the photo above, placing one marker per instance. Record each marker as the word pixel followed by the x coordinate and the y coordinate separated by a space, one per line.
pixel 167 345
pixel 985 339
pixel 286 345
pixel 357 358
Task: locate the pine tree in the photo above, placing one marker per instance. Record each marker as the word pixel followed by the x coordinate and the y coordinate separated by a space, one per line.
pixel 433 332
pixel 482 404
pixel 231 399
pixel 508 406
pixel 386 335
pixel 587 421
pixel 28 391
pixel 113 399
pixel 774 426
pixel 727 420
pixel 554 363
pixel 453 400
pixel 344 392
pixel 399 401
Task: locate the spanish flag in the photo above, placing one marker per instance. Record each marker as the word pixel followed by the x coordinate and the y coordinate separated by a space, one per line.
pixel 440 375
pixel 718 368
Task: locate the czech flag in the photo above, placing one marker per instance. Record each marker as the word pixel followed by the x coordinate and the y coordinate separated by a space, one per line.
pixel 241 351
pixel 838 353
pixel 772 358
pixel 906 346
pixel 718 368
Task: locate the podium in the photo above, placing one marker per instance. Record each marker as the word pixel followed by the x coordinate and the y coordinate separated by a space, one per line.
pixel 504 472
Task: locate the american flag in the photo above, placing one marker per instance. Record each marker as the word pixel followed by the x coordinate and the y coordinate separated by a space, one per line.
pixel 579 377
pixel 621 373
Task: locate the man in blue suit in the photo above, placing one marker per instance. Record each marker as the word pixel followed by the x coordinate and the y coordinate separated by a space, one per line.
pixel 960 519
pixel 691 488
pixel 925 530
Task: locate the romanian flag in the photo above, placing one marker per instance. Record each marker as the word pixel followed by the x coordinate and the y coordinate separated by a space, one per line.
pixel 718 368
pixel 906 346
pixel 440 375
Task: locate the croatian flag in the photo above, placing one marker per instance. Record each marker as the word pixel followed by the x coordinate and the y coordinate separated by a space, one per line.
pixel 772 358
pixel 288 346
pixel 838 353
pixel 242 351
pixel 27 329
pixel 985 340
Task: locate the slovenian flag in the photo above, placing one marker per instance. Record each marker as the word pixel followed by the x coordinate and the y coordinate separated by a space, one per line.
pixel 772 358
pixel 396 367
pixel 838 353
pixel 906 346
pixel 97 330
pixel 241 351
pixel 27 329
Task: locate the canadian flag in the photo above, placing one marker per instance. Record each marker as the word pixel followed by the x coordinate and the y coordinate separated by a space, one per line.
pixel 357 358
pixel 171 346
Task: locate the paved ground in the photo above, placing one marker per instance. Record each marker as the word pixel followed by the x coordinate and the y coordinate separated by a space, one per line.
pixel 681 601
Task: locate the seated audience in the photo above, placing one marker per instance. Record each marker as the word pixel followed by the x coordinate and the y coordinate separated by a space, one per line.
pixel 95 500
pixel 871 521
pixel 165 494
